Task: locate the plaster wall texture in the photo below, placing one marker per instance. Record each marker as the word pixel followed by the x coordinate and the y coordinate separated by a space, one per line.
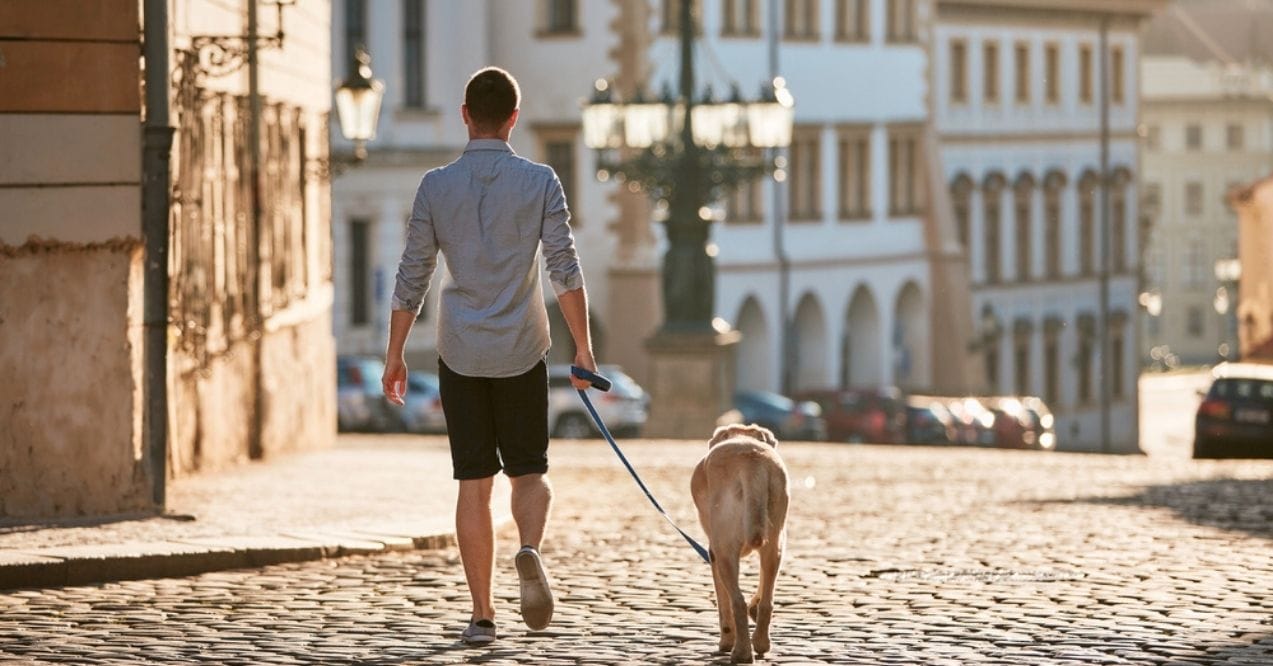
pixel 70 419
pixel 1255 307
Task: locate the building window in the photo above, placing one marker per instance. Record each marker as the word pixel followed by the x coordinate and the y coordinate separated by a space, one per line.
pixel 801 19
pixel 992 227
pixel 1193 197
pixel 805 182
pixel 359 272
pixel 1084 362
pixel 559 153
pixel 1116 75
pixel 1021 365
pixel 561 17
pixel 905 171
pixel 1087 224
pixel 1118 225
pixel 1153 138
pixel 958 72
pixel 852 22
pixel 1052 77
pixel 1085 74
pixel 1235 136
pixel 1022 77
pixel 1116 364
pixel 961 202
pixel 1153 196
pixel 1193 137
pixel 1195 323
pixel 672 16
pixel 413 53
pixel 901 21
pixel 1051 374
pixel 355 31
pixel 739 19
pixel 990 63
pixel 1052 224
pixel 855 174
pixel 743 203
pixel 1023 218
pixel 1195 273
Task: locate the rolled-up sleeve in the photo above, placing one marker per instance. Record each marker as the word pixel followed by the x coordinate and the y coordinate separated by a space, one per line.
pixel 419 257
pixel 564 272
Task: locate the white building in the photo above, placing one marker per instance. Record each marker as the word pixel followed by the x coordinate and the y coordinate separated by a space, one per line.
pixel 1208 124
pixel 1018 98
pixel 860 239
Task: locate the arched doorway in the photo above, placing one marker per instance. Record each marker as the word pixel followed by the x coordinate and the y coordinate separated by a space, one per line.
pixel 862 358
pixel 910 339
pixel 754 353
pixel 810 346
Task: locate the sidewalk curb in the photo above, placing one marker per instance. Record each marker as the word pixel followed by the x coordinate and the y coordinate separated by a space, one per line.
pixel 103 563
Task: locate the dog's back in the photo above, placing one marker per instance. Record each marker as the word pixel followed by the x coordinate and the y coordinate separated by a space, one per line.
pixel 746 486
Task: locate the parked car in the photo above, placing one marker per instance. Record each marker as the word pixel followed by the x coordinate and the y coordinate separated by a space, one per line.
pixel 422 412
pixel 624 408
pixel 1013 424
pixel 1041 422
pixel 787 418
pixel 861 415
pixel 928 421
pixel 361 404
pixel 1235 419
pixel 974 424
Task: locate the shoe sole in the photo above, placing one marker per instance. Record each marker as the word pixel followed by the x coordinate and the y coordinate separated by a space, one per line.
pixel 477 640
pixel 536 597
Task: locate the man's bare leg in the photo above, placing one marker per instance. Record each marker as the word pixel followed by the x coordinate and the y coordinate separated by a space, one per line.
pixel 476 536
pixel 532 498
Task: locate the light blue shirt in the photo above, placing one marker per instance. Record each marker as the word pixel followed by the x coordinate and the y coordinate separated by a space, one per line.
pixel 489 213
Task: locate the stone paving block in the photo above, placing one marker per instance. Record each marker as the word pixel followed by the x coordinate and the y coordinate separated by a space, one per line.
pixel 19 569
pixel 260 551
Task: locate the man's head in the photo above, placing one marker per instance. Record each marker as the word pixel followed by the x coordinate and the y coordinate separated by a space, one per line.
pixel 490 106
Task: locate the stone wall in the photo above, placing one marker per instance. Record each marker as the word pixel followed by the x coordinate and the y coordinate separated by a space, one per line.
pixel 71 359
pixel 1255 290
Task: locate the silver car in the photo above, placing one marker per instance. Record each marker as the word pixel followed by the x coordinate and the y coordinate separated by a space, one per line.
pixel 624 408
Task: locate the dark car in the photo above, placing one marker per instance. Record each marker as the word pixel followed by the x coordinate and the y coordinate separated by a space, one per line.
pixel 861 415
pixel 1235 419
pixel 928 421
pixel 361 404
pixel 787 418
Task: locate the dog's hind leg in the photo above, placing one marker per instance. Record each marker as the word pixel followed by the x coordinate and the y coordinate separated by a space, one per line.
pixel 728 573
pixel 770 562
pixel 723 606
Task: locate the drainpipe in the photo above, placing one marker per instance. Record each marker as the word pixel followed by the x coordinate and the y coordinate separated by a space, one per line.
pixel 256 448
pixel 785 372
pixel 156 151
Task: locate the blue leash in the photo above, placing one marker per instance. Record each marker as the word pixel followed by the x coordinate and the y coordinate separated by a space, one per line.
pixel 602 384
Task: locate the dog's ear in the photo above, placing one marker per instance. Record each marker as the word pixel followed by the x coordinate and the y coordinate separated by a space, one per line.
pixel 723 433
pixel 763 434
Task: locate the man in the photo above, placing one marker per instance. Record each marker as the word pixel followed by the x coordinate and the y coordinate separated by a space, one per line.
pixel 489 213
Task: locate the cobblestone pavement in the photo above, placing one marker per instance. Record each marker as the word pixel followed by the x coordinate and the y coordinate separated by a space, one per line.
pixel 896 555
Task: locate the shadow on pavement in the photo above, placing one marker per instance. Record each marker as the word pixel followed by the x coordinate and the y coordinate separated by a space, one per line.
pixel 1240 505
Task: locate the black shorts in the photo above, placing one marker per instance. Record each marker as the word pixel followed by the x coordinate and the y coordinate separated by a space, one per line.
pixel 496 423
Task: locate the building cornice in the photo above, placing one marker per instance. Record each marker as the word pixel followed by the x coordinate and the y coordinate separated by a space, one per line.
pixel 1142 8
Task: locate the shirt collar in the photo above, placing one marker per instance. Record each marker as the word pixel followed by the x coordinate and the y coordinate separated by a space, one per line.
pixel 488 144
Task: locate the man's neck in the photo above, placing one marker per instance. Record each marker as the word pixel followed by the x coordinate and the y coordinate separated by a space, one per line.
pixel 489 137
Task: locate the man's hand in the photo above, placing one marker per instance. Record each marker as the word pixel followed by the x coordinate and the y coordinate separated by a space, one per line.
pixel 394 381
pixel 583 360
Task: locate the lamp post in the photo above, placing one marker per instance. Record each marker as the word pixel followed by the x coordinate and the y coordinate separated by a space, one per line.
pixel 685 150
pixel 691 150
pixel 358 104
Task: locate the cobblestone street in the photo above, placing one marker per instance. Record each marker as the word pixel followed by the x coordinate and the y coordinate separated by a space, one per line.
pixel 896 555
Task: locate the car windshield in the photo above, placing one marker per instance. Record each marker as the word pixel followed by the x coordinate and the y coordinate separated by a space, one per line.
pixel 767 399
pixel 1243 389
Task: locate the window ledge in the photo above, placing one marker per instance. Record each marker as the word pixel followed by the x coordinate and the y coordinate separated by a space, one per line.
pixel 417 113
pixel 545 33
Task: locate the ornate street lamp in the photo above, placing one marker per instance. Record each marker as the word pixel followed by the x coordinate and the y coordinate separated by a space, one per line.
pixel 358 104
pixel 691 150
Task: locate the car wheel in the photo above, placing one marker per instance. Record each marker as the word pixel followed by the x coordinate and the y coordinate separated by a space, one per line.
pixel 573 426
pixel 1203 448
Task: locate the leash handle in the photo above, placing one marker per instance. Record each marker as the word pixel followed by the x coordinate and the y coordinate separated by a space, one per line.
pixel 698 548
pixel 598 382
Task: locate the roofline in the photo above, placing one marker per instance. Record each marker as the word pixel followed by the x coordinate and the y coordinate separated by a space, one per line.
pixel 1140 7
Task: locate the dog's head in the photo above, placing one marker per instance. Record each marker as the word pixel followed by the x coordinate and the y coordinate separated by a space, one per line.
pixel 750 431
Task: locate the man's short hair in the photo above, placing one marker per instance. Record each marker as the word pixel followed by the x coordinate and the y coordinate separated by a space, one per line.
pixel 492 95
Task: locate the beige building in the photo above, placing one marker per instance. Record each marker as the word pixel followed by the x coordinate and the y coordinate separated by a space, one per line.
pixel 1254 204
pixel 1207 126
pixel 249 352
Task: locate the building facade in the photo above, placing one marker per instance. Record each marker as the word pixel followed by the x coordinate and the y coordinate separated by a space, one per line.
pixel 1018 97
pixel 1208 126
pixel 249 298
pixel 854 232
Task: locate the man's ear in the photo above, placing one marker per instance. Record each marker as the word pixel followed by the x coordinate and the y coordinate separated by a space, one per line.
pixel 464 113
pixel 512 121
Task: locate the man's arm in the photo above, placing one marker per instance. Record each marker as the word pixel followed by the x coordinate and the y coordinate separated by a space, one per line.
pixel 415 270
pixel 566 276
pixel 574 309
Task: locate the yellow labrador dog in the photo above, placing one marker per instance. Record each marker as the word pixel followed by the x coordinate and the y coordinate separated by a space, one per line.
pixel 740 489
